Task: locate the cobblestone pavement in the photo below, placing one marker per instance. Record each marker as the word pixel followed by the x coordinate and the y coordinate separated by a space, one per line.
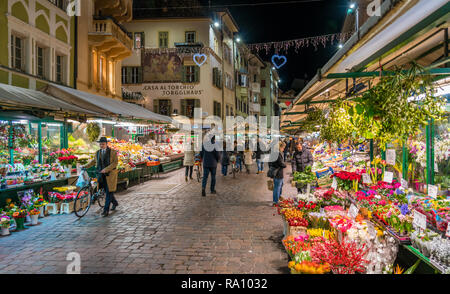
pixel 235 231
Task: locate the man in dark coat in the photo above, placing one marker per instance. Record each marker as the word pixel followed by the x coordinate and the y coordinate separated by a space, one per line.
pixel 301 158
pixel 210 160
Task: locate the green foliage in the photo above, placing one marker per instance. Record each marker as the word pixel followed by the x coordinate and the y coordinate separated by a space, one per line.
pixel 306 177
pixel 93 131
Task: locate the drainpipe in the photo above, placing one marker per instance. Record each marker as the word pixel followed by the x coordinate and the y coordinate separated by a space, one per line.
pixel 223 65
pixel 75 58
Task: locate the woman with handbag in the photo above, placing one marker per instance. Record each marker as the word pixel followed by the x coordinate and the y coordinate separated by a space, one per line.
pixel 276 172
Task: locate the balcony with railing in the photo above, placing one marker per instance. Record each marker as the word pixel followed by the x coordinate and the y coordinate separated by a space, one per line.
pixel 255 87
pixel 121 10
pixel 111 38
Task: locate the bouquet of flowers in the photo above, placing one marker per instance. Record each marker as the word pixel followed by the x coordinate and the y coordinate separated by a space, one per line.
pixel 68 160
pixel 347 180
pixel 34 211
pixel 5 221
pixel 20 213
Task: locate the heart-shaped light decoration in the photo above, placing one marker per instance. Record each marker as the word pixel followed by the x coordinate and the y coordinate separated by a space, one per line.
pixel 200 59
pixel 279 61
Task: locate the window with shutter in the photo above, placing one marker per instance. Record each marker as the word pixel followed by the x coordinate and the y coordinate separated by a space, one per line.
pixel 156 106
pixel 263 83
pixel 163 39
pixel 129 75
pixel 183 107
pixel 196 74
pixel 140 75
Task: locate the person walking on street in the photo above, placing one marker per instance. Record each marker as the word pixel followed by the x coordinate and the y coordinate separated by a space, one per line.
pixel 248 160
pixel 278 174
pixel 259 162
pixel 301 158
pixel 225 160
pixel 239 157
pixel 210 160
pixel 189 162
pixel 106 161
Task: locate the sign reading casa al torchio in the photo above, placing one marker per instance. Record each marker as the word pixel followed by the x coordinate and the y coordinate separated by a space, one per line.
pixel 162 90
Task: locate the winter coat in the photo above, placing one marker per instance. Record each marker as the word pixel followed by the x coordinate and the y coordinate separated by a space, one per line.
pixel 188 158
pixel 111 168
pixel 301 159
pixel 248 157
pixel 210 158
pixel 258 151
pixel 278 164
pixel 225 158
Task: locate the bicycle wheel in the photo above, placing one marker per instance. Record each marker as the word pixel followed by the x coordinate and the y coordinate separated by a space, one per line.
pixel 101 196
pixel 198 174
pixel 83 201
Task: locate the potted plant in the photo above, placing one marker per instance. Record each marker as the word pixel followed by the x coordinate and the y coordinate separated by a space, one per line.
pixel 19 217
pixel 5 223
pixel 34 214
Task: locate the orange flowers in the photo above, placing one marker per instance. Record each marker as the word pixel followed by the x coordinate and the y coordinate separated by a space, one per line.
pixel 309 267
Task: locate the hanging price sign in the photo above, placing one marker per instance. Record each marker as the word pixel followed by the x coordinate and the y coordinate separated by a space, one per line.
pixel 366 179
pixel 388 177
pixel 371 230
pixel 390 156
pixel 420 220
pixel 353 211
pixel 432 191
pixel 436 169
pixel 334 185
pixel 404 184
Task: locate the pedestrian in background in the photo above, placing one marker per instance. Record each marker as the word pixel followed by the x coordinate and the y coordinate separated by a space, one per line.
pixel 248 160
pixel 276 171
pixel 210 160
pixel 301 158
pixel 225 160
pixel 188 162
pixel 259 162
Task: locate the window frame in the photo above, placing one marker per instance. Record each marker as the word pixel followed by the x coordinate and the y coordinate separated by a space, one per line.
pixel 14 49
pixel 186 36
pixel 159 39
pixel 61 66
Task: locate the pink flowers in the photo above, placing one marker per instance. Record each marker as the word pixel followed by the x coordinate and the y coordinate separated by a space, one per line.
pixel 341 223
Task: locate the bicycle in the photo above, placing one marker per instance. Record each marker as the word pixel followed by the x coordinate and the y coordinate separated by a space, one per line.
pixel 198 168
pixel 234 168
pixel 86 196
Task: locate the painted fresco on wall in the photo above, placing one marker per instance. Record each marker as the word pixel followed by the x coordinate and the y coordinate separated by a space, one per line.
pixel 161 67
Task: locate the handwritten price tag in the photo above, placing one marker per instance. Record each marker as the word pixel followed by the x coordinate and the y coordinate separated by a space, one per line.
pixel 436 168
pixel 420 220
pixel 404 184
pixel 334 184
pixel 353 211
pixel 366 179
pixel 388 177
pixel 390 156
pixel 447 234
pixel 432 191
pixel 371 230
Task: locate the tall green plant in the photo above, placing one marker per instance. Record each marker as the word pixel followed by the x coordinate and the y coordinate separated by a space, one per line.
pixel 398 106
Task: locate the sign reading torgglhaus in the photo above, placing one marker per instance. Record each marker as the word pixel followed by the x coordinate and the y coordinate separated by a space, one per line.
pixel 175 90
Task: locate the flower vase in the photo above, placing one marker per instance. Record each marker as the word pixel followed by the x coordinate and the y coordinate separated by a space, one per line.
pixel 34 219
pixel 68 170
pixel 41 211
pixel 5 231
pixel 53 176
pixel 20 223
pixel 27 219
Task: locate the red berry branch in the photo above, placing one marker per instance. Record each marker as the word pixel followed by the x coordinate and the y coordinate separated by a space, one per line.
pixel 344 258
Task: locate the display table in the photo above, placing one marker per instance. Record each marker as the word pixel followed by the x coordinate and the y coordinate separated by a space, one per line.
pixel 45 185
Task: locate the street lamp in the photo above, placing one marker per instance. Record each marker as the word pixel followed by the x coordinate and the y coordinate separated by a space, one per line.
pixel 216 24
pixel 238 39
pixel 354 8
pixel 340 46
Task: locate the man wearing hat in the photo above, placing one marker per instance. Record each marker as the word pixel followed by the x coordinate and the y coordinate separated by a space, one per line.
pixel 106 161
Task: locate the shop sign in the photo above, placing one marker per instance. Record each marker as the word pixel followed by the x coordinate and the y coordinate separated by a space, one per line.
pixel 173 89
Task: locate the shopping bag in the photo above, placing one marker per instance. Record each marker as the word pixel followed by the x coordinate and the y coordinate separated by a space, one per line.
pixel 270 185
pixel 83 179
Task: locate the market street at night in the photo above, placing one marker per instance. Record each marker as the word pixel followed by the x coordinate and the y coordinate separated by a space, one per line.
pixel 174 232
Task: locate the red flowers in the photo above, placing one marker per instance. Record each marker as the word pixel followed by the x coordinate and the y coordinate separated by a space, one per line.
pixel 347 176
pixel 298 222
pixel 68 160
pixel 303 206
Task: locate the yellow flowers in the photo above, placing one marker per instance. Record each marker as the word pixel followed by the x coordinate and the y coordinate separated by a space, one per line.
pixel 327 234
pixel 291 264
pixel 65 189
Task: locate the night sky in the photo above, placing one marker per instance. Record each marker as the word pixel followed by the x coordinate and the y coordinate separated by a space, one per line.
pixel 285 22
